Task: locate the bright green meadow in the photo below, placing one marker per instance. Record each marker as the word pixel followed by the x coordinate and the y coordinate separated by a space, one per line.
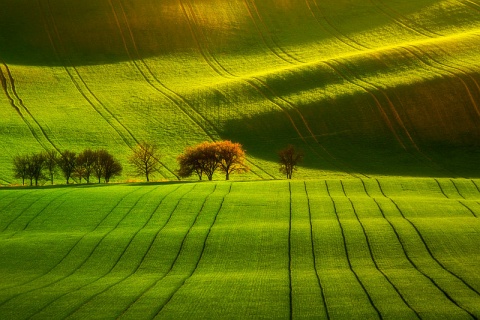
pixel 339 249
pixel 380 221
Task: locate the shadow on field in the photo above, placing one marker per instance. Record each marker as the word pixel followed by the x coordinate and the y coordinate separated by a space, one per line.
pixel 57 32
pixel 344 144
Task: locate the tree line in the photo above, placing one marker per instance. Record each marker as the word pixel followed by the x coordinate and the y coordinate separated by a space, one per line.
pixel 203 159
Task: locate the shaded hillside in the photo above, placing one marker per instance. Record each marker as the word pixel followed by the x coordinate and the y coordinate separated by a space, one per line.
pixel 378 87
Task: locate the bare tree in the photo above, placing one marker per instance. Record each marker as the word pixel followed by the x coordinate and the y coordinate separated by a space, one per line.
pixel 51 163
pixel 20 167
pixel 67 163
pixel 289 158
pixel 230 157
pixel 145 160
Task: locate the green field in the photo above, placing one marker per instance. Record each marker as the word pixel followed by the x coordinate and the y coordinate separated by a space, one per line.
pixel 380 221
pixel 381 87
pixel 338 249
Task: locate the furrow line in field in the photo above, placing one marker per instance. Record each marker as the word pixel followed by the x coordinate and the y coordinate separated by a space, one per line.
pixel 475 184
pixel 44 208
pixel 172 265
pixel 372 257
pixel 424 242
pixel 345 247
pixel 425 56
pixel 5 86
pixel 329 27
pixel 123 278
pixel 76 244
pixel 458 191
pixel 23 194
pixel 23 212
pixel 290 287
pixel 435 260
pixel 399 241
pixel 200 256
pixel 403 21
pixel 319 282
pixel 150 286
pixel 460 66
pixel 15 95
pixel 259 25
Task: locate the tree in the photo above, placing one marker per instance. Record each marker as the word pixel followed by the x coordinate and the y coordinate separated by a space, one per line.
pixel 67 163
pixel 207 157
pixel 189 163
pixel 145 159
pixel 20 167
pixel 36 164
pixel 230 157
pixel 51 163
pixel 111 167
pixel 289 158
pixel 85 164
pixel 200 159
pixel 106 166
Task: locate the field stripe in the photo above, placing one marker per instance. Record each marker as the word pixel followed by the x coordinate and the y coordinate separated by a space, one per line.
pixel 29 286
pixel 372 256
pixel 41 313
pixel 201 253
pixel 458 191
pixel 434 282
pixel 7 85
pixel 24 211
pixel 116 260
pixel 44 208
pixel 262 29
pixel 20 196
pixel 184 278
pixel 424 56
pixel 348 254
pixel 314 255
pixel 403 21
pixel 329 27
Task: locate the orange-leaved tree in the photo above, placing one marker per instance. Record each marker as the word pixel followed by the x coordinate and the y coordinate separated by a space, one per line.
pixel 207 157
pixel 230 157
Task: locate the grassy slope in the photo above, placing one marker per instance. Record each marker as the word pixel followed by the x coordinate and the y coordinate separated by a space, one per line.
pixel 383 87
pixel 353 248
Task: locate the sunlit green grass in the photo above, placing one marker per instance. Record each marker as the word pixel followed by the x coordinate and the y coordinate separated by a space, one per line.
pixel 395 248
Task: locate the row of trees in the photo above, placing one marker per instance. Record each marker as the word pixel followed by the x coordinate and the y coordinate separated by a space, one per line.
pixel 46 165
pixel 207 157
pixel 203 159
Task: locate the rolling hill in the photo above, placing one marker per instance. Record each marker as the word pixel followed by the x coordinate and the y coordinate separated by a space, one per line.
pixel 364 87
